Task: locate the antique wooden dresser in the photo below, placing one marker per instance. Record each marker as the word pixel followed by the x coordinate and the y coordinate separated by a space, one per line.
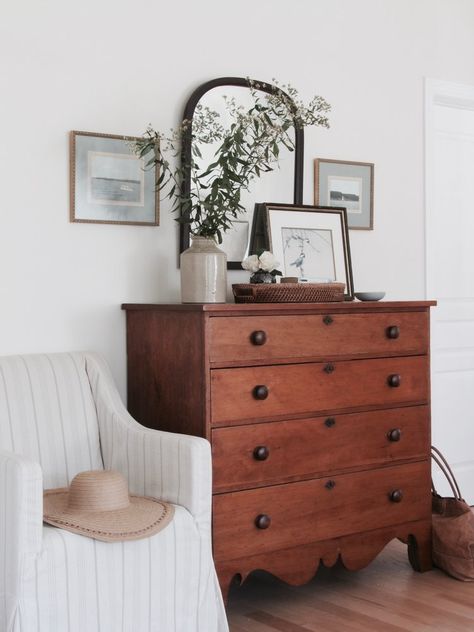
pixel 319 420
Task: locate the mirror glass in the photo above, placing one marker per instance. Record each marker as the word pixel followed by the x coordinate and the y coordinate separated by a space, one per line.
pixel 277 185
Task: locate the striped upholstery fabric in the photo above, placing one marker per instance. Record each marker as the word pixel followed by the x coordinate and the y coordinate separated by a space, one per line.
pixel 63 413
pixel 48 415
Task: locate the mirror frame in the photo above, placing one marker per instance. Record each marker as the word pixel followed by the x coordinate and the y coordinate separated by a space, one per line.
pixel 184 235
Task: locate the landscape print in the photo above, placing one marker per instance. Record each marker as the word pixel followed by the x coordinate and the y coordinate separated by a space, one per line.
pixel 345 191
pixel 309 254
pixel 115 179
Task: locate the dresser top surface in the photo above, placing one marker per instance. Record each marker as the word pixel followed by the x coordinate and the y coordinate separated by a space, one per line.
pixel 228 309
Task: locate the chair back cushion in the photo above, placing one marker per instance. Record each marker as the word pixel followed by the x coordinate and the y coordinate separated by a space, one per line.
pixel 47 413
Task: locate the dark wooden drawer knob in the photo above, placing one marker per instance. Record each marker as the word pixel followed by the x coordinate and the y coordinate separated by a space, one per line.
pixel 393 332
pixel 394 380
pixel 330 484
pixel 263 521
pixel 330 422
pixel 260 392
pixel 258 337
pixel 327 320
pixel 329 368
pixel 261 453
pixel 394 435
pixel 396 496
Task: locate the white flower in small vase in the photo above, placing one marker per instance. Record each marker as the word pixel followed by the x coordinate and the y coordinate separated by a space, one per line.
pixel 263 266
pixel 251 263
pixel 268 261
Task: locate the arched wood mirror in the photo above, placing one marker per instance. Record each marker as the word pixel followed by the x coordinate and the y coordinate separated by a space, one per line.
pixel 284 184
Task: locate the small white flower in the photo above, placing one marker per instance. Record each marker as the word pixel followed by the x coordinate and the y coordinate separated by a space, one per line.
pixel 268 261
pixel 251 263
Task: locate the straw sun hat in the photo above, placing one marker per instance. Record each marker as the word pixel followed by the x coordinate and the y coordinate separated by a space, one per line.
pixel 97 504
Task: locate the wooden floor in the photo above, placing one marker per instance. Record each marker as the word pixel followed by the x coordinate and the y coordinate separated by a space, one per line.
pixel 387 596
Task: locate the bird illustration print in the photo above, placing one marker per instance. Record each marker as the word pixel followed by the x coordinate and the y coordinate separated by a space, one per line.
pixel 298 263
pixel 310 253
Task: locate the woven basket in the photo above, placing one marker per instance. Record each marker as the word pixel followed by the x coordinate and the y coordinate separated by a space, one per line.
pixel 288 292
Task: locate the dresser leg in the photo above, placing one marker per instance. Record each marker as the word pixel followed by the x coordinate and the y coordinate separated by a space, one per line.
pixel 419 550
pixel 225 581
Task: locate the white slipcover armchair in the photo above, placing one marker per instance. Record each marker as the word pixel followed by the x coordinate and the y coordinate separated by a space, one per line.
pixel 61 414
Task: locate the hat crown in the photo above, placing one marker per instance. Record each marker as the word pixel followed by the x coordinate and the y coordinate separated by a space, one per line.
pixel 98 490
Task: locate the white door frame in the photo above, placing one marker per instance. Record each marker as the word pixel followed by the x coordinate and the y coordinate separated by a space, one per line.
pixel 457 96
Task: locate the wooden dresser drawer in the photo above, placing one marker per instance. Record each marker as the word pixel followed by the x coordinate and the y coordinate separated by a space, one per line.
pixel 314 510
pixel 265 392
pixel 274 452
pixel 247 338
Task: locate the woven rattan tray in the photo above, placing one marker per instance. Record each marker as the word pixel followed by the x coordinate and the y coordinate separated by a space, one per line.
pixel 288 292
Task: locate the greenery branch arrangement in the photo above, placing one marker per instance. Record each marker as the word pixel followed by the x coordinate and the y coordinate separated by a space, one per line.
pixel 246 148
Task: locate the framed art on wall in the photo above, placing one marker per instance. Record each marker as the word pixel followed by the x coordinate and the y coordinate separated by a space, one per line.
pixel 235 242
pixel 311 243
pixel 109 182
pixel 349 185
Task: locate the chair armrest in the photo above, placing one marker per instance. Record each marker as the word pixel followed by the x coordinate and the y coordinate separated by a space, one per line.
pixel 173 467
pixel 21 525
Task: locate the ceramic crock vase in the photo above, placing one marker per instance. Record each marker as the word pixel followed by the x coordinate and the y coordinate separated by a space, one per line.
pixel 203 272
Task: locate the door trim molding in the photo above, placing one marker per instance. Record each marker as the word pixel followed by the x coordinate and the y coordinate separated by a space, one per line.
pixel 447 363
pixel 447 94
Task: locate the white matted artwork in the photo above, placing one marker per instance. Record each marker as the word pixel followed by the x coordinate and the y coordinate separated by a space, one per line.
pixel 311 243
pixel 109 182
pixel 235 241
pixel 309 254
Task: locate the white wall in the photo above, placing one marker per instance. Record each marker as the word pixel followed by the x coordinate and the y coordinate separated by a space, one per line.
pixel 113 66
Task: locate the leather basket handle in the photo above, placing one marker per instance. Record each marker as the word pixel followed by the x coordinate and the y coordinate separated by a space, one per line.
pixel 443 465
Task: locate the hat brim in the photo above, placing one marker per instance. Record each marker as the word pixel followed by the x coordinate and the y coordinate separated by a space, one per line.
pixel 144 517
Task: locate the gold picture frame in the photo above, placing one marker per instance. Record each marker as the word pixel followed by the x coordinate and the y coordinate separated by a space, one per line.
pixel 109 183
